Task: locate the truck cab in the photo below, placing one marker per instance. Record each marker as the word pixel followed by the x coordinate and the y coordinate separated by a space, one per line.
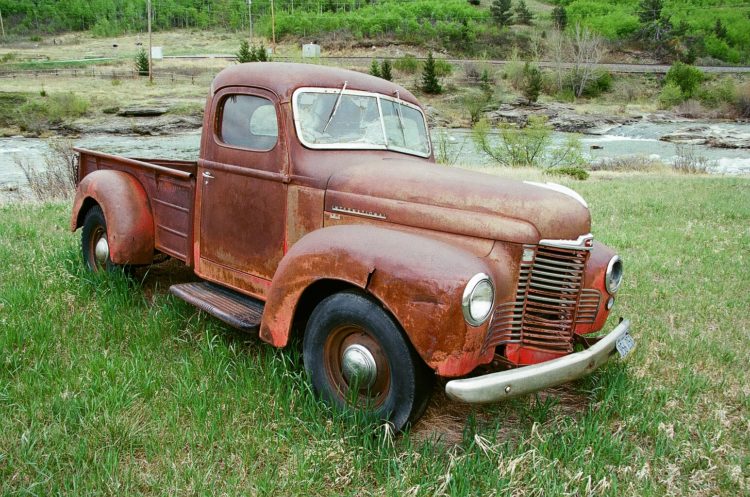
pixel 316 208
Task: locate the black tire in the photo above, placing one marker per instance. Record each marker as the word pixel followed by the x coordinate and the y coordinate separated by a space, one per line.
pixel 399 388
pixel 94 230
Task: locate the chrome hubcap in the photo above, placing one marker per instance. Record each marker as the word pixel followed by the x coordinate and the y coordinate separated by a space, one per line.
pixel 101 251
pixel 358 365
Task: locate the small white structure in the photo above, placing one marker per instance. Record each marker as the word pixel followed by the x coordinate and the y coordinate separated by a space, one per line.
pixel 310 50
pixel 156 53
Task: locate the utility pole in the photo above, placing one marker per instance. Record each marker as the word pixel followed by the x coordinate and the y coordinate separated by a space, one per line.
pixel 273 29
pixel 250 14
pixel 150 62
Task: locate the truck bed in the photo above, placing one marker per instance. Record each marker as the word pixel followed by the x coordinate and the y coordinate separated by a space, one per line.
pixel 170 186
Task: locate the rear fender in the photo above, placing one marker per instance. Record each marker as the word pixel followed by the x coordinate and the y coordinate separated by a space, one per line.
pixel 419 280
pixel 130 223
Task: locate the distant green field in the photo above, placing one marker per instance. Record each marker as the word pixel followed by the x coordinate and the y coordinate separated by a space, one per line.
pixel 113 387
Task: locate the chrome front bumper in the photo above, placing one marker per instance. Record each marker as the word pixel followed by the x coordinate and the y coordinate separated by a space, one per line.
pixel 494 387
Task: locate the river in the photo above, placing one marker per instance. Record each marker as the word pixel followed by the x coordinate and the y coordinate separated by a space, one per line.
pixel 630 139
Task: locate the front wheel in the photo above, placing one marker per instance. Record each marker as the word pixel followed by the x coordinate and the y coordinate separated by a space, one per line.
pixel 357 355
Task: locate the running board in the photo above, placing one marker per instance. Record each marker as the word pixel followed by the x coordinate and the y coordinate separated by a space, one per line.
pixel 235 309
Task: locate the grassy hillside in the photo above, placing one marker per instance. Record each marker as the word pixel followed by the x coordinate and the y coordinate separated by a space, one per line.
pixel 111 387
pixel 694 20
pixel 454 25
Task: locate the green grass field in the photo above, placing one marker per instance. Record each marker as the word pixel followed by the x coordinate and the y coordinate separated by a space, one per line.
pixel 113 387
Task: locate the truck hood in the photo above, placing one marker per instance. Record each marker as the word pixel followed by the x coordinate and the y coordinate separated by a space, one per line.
pixel 434 197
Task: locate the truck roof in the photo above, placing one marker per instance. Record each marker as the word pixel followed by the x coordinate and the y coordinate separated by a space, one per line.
pixel 284 78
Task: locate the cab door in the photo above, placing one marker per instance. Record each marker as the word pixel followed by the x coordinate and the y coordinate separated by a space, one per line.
pixel 243 177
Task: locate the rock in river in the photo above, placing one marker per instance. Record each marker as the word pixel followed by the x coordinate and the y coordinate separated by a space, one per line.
pixel 142 111
pixel 710 136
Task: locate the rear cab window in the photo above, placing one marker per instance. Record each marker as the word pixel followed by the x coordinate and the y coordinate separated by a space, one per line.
pixel 248 121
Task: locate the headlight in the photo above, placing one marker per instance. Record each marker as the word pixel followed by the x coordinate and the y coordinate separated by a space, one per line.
pixel 479 295
pixel 614 274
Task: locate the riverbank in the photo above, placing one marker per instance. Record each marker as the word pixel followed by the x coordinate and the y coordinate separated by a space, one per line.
pixel 87 94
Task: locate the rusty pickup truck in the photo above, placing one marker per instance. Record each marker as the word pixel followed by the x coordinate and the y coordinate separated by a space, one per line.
pixel 316 210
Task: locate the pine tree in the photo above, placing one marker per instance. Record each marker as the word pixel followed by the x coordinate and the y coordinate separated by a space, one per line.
pixel 430 83
pixel 720 30
pixel 375 68
pixel 260 53
pixel 523 14
pixel 656 29
pixel 532 82
pixel 560 17
pixel 385 71
pixel 501 12
pixel 141 62
pixel 245 54
pixel 649 10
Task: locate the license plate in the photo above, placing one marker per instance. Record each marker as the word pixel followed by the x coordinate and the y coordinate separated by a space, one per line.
pixel 625 344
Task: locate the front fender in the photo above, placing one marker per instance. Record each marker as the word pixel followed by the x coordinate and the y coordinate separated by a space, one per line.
pixel 419 280
pixel 130 223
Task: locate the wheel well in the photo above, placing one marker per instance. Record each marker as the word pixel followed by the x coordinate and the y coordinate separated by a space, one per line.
pixel 311 297
pixel 85 207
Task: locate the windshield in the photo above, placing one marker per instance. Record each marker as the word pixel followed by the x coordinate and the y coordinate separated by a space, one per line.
pixel 347 119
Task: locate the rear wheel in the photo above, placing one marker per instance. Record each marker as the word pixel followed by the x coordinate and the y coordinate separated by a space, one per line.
pixel 357 355
pixel 94 241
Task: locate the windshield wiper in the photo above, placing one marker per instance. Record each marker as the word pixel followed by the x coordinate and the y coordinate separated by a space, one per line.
pixel 400 118
pixel 335 107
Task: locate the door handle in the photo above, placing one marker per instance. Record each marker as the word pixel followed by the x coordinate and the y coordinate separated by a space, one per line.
pixel 208 175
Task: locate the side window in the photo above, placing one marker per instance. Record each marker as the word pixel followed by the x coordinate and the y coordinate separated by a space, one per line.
pixel 249 122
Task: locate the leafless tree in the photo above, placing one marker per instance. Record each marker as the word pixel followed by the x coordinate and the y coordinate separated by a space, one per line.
pixel 556 50
pixel 578 53
pixel 587 50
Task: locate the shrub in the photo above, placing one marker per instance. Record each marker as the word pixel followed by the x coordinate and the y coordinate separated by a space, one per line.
pixel 407 64
pixel 443 68
pixel 670 96
pixel 513 72
pixel 430 83
pixel 689 161
pixel 528 147
pixel 719 49
pixel 690 109
pixel 686 77
pixel 36 115
pixel 720 92
pixel 574 172
pixel 472 72
pixel 637 163
pixel 447 150
pixel 57 179
pixel 742 101
pixel 141 62
pixel 487 83
pixel 475 103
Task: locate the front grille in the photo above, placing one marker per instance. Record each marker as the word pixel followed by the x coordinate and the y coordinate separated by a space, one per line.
pixel 549 302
